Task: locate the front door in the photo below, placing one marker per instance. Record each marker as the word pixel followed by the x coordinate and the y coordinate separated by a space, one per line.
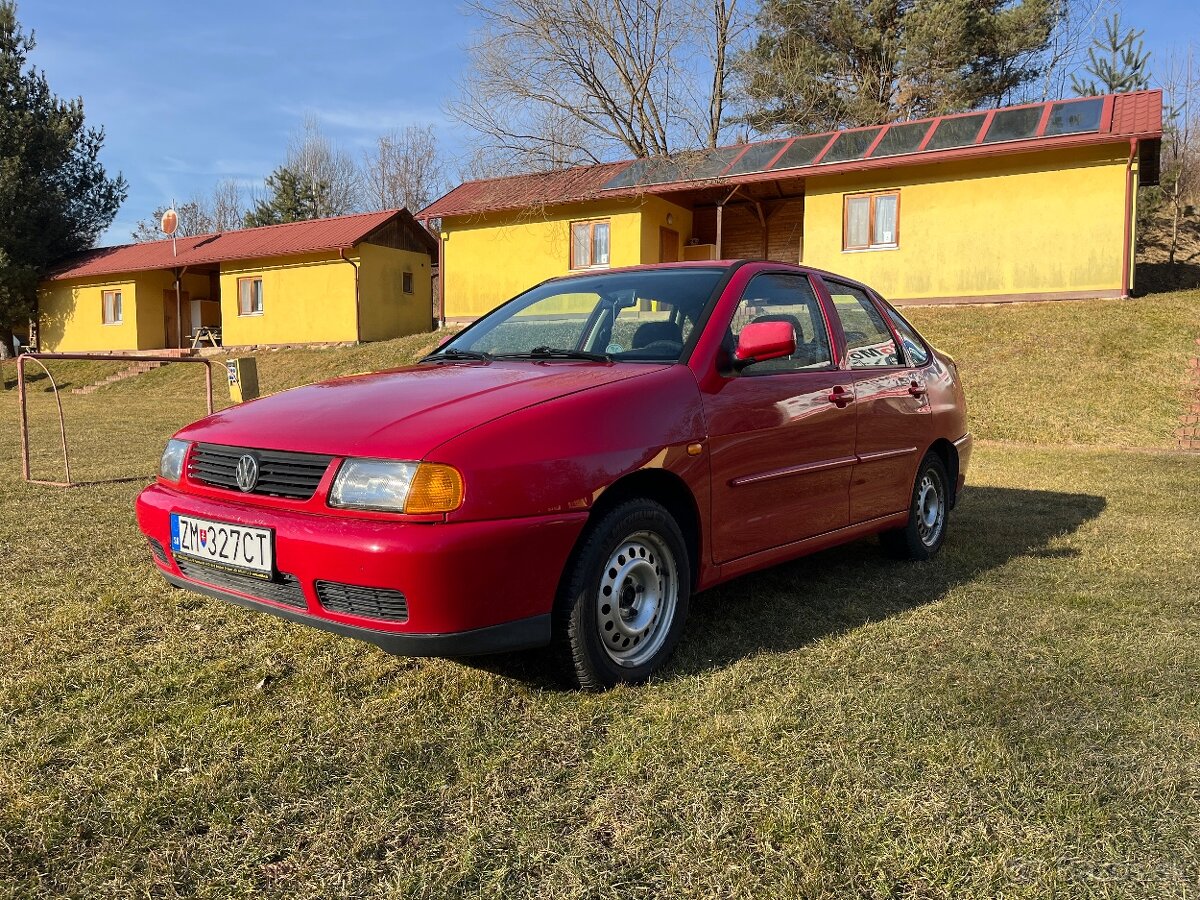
pixel 172 307
pixel 668 245
pixel 895 423
pixel 781 432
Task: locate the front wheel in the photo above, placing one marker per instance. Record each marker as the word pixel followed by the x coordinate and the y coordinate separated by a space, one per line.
pixel 625 598
pixel 923 535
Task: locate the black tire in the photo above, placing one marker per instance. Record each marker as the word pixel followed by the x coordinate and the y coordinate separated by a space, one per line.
pixel 625 635
pixel 924 534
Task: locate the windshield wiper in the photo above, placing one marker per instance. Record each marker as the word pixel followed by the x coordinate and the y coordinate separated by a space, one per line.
pixel 455 353
pixel 556 353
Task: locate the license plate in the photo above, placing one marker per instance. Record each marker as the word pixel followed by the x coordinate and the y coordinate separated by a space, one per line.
pixel 241 548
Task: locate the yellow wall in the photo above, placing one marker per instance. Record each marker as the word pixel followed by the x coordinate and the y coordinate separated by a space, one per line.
pixel 654 217
pixel 150 302
pixel 306 299
pixel 1051 222
pixel 492 258
pixel 71 316
pixel 71 312
pixel 387 311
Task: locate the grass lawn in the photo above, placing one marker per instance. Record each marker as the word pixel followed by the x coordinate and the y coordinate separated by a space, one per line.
pixel 1106 372
pixel 1018 718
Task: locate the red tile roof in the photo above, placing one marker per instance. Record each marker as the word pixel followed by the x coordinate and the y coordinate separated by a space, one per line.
pixel 1133 115
pixel 1139 113
pixel 314 236
pixel 519 191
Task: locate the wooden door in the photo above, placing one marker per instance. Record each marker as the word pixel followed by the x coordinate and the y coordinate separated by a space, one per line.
pixel 668 245
pixel 172 306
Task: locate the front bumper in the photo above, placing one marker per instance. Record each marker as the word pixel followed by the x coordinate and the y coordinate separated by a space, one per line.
pixel 471 587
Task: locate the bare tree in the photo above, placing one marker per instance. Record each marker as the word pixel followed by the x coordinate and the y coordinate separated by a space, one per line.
pixel 640 77
pixel 223 210
pixel 228 205
pixel 1079 23
pixel 329 172
pixel 1180 177
pixel 403 170
pixel 195 218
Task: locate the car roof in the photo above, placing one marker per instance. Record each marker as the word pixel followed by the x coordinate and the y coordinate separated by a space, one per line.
pixel 717 264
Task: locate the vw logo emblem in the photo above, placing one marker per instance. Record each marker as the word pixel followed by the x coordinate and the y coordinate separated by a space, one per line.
pixel 247 473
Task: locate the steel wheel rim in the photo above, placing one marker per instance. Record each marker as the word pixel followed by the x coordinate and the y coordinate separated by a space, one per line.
pixel 636 600
pixel 931 509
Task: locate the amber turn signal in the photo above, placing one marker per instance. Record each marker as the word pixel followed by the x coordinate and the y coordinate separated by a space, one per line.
pixel 435 488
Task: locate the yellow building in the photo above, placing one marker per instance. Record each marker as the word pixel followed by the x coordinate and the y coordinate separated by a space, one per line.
pixel 352 278
pixel 1029 202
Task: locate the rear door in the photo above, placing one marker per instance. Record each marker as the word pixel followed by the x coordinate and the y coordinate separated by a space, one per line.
pixel 894 424
pixel 781 432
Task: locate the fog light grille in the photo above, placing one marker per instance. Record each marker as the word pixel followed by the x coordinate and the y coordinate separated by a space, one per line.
pixel 372 603
pixel 157 549
pixel 284 588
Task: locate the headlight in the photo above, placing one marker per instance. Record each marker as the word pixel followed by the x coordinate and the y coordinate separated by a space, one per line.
pixel 171 466
pixel 388 486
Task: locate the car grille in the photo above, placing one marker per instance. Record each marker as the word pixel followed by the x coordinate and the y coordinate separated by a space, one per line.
pixel 283 588
pixel 157 549
pixel 280 474
pixel 373 603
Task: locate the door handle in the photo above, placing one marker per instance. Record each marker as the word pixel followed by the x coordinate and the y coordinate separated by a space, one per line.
pixel 916 389
pixel 840 397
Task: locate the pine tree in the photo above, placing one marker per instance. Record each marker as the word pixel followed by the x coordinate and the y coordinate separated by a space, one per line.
pixel 819 65
pixel 291 198
pixel 55 196
pixel 1118 63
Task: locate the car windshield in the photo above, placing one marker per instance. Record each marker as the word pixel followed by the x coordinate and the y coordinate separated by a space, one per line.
pixel 637 316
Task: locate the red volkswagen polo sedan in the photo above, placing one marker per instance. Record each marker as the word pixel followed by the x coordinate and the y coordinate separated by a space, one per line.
pixel 572 467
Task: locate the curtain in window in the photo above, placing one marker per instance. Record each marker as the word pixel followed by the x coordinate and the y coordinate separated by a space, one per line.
pixel 112 307
pixel 885 219
pixel 600 244
pixel 580 236
pixel 250 296
pixel 858 221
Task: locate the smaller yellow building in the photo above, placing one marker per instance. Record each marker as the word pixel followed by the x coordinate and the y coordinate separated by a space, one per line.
pixel 353 278
pixel 1029 202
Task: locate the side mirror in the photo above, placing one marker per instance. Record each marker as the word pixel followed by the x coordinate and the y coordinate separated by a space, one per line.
pixel 760 341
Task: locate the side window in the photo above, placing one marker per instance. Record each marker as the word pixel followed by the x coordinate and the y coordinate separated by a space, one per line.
pixel 784 298
pixel 917 354
pixel 868 341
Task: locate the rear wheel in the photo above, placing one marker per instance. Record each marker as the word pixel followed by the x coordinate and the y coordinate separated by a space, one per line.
pixel 923 535
pixel 624 600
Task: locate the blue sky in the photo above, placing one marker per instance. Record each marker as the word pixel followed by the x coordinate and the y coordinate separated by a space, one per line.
pixel 190 93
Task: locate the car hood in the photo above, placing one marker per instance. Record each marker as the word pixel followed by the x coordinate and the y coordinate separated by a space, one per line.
pixel 404 413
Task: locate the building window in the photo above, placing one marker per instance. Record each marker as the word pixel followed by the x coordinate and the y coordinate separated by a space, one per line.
pixel 112 308
pixel 250 301
pixel 589 244
pixel 406 282
pixel 872 221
